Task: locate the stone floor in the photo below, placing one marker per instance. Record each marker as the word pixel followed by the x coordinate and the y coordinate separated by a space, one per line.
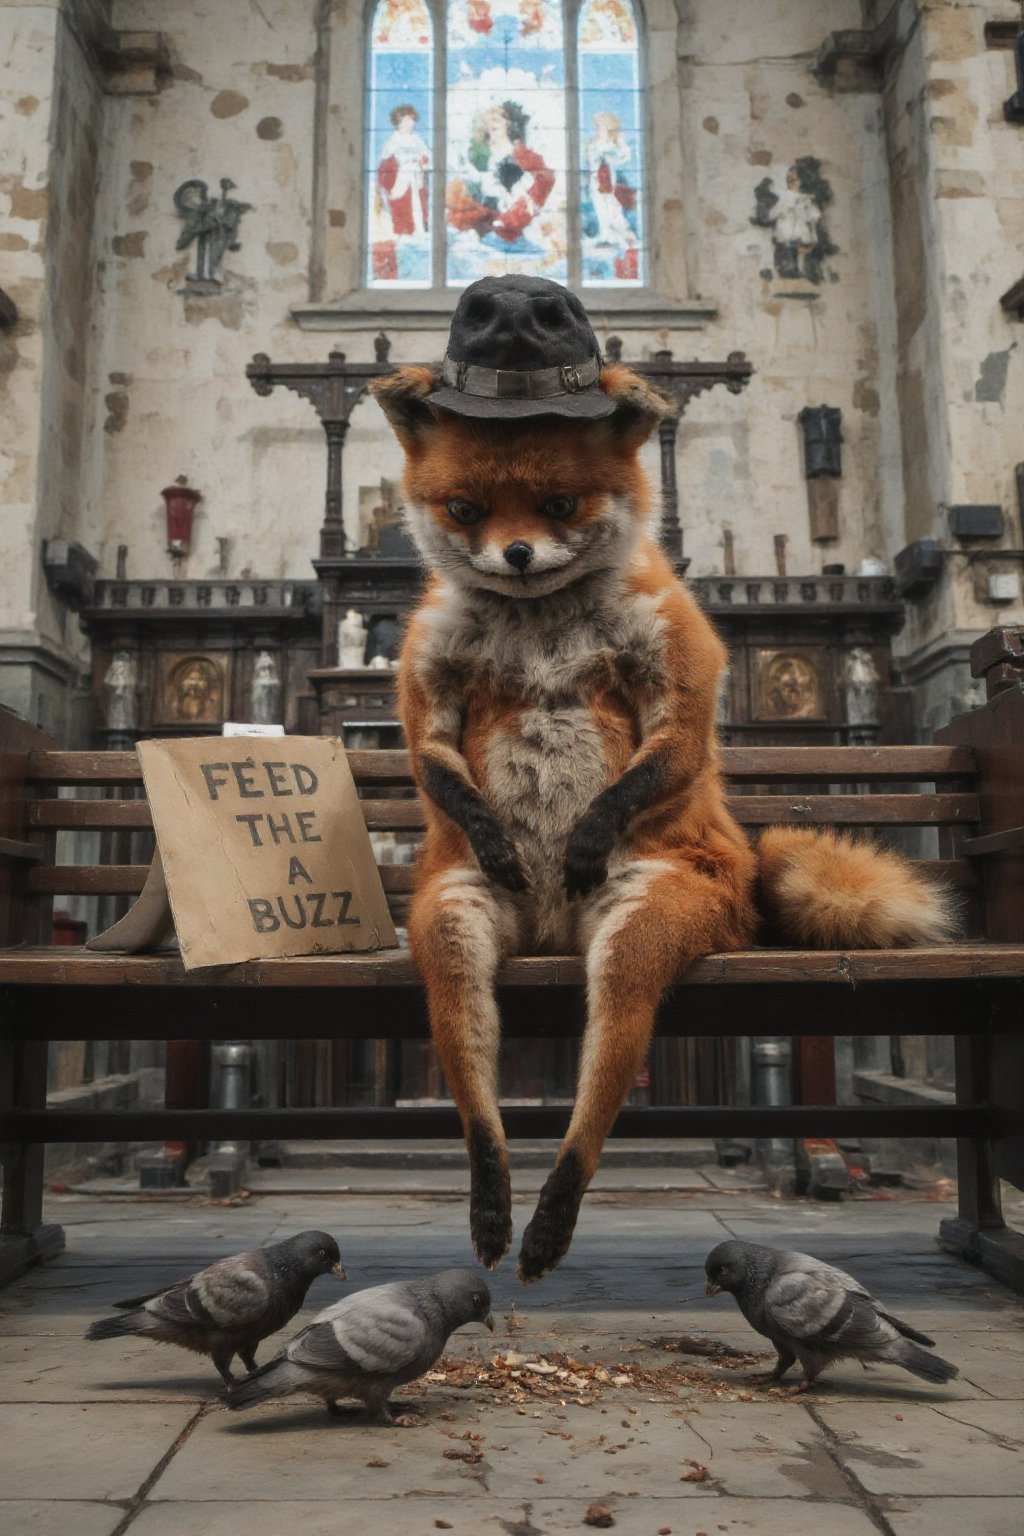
pixel 108 1437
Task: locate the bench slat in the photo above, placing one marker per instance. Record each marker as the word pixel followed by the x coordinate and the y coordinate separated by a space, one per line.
pixel 891 764
pixel 896 810
pixel 397 879
pixel 69 966
pixel 342 1124
pixel 128 879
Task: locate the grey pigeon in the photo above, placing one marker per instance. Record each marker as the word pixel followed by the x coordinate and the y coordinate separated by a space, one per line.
pixel 370 1343
pixel 816 1314
pixel 228 1309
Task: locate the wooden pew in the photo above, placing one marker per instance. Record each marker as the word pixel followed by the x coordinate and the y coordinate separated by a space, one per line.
pixel 969 786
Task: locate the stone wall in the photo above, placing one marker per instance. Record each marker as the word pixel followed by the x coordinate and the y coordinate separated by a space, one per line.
pixel 120 375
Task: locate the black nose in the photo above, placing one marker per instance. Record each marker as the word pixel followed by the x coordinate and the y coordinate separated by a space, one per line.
pixel 519 555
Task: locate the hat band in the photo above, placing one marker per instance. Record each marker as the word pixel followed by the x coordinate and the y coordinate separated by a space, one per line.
pixel 508 384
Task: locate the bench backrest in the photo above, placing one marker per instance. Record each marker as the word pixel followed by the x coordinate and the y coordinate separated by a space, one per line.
pixel 879 789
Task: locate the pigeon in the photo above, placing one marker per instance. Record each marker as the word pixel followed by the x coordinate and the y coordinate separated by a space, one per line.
pixel 228 1309
pixel 816 1314
pixel 370 1343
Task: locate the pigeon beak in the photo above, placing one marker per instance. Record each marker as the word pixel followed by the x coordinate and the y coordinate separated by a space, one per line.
pixel 711 1289
pixel 339 1270
pixel 488 1322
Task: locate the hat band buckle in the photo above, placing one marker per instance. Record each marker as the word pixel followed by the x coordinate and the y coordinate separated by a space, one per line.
pixel 513 384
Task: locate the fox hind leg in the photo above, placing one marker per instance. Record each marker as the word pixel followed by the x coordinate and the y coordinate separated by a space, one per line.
pixel 460 928
pixel 643 927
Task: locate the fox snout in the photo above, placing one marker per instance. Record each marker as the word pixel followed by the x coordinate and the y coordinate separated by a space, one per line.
pixel 519 555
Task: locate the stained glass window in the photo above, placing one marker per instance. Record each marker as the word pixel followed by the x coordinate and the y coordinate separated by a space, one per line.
pixel 400 146
pixel 611 145
pixel 505 195
pixel 528 124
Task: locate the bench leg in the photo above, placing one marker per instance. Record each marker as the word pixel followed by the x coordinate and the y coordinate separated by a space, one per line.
pixel 24 1239
pixel 978 1231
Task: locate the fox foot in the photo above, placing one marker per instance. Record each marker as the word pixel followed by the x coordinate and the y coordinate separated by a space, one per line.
pixel 547 1238
pixel 490 1201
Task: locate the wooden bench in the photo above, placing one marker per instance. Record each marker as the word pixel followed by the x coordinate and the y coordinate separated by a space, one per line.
pixel 969 787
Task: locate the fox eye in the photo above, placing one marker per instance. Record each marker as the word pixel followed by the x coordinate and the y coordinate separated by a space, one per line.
pixel 560 507
pixel 465 512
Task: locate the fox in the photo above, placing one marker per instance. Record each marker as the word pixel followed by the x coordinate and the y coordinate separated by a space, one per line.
pixel 557 687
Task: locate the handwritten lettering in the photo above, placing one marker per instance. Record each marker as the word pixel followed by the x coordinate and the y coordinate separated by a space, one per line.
pixel 302 910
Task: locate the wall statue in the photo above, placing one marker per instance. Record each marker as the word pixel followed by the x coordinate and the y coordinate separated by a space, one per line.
pixel 795 214
pixel 212 222
pixel 861 685
pixel 351 639
pixel 265 693
pixel 120 693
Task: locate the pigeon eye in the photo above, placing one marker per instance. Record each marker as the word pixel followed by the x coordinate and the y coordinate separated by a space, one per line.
pixel 465 512
pixel 560 508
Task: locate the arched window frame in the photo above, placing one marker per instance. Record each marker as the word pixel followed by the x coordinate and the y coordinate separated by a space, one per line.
pixel 438 12
pixel 339 298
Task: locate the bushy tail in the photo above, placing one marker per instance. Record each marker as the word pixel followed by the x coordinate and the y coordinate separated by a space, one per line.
pixel 274 1379
pixel 822 890
pixel 929 1367
pixel 116 1327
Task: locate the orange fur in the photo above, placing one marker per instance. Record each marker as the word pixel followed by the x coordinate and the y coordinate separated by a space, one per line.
pixel 534 703
pixel 822 889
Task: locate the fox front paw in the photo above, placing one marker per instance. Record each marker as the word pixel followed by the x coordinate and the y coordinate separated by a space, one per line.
pixel 499 859
pixel 586 856
pixel 490 1200
pixel 547 1238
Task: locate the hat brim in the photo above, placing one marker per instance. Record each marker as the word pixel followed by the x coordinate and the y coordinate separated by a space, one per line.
pixel 588 405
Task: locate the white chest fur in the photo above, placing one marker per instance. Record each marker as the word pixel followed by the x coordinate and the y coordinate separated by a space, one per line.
pixel 555 656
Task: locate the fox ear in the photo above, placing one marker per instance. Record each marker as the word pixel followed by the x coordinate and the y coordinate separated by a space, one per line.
pixel 638 407
pixel 402 396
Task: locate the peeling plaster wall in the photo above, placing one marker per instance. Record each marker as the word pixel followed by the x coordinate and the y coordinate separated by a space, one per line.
pixel 49 159
pixel 169 392
pixel 905 334
pixel 957 195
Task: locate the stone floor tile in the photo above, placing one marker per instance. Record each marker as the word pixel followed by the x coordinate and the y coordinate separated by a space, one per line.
pixel 297 1451
pixel 961 1449
pixel 415 1515
pixel 85 1451
pixel 57 1517
pixel 956 1517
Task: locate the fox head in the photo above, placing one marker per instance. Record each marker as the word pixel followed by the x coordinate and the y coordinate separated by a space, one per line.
pixel 524 507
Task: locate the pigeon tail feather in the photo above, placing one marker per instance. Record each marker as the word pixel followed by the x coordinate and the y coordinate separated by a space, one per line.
pixel 928 1367
pixel 906 1330
pixel 117 1327
pixel 274 1379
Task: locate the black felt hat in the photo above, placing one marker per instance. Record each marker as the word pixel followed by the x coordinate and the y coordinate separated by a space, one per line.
pixel 521 346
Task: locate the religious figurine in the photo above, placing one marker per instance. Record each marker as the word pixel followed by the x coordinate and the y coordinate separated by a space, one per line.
pixel 120 697
pixel 212 222
pixel 265 695
pixel 860 682
pixel 351 639
pixel 796 217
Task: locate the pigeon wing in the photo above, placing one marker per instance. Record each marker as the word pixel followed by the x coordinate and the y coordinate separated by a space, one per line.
pixel 814 1309
pixel 233 1293
pixel 371 1333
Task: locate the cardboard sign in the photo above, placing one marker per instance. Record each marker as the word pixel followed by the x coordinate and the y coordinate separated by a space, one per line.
pixel 264 851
